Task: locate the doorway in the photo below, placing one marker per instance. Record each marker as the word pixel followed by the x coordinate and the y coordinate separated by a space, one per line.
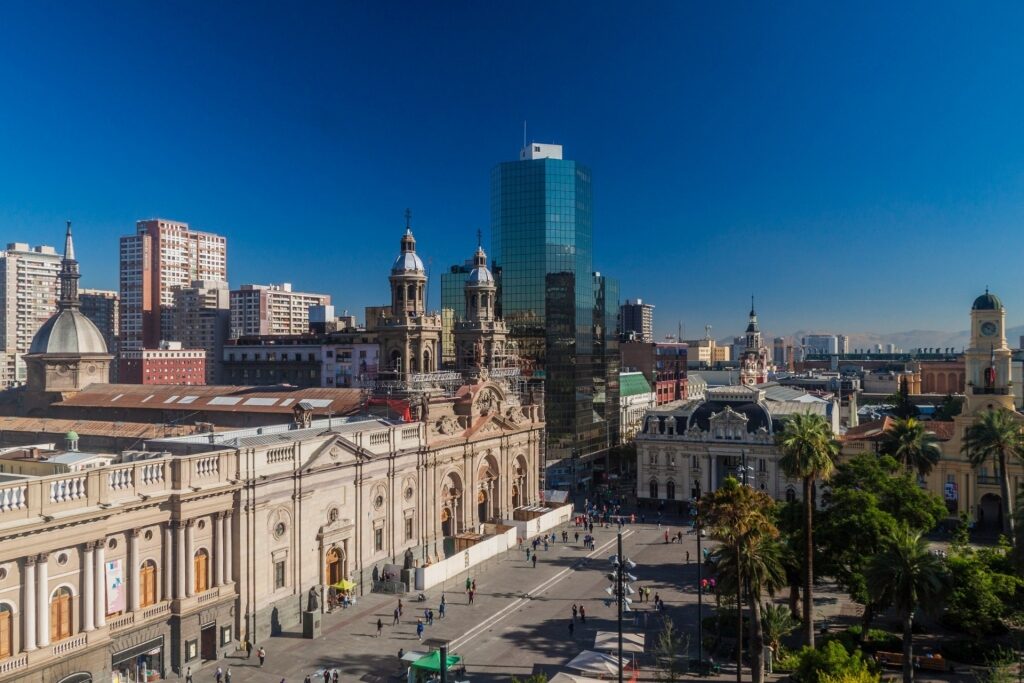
pixel 334 569
pixel 208 642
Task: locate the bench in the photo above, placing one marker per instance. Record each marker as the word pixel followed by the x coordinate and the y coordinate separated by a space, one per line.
pixel 933 662
pixel 891 659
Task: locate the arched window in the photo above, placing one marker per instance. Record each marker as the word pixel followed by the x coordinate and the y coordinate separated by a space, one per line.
pixel 60 614
pixel 670 490
pixel 147 583
pixel 790 495
pixel 201 564
pixel 654 488
pixel 412 293
pixel 6 631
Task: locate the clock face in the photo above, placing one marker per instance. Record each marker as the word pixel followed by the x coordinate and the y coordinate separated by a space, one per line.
pixel 988 329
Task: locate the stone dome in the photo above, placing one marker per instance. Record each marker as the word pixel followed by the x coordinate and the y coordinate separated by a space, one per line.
pixel 408 262
pixel 987 302
pixel 480 276
pixel 69 331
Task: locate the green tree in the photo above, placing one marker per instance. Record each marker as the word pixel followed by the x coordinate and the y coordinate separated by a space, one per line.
pixel 906 573
pixel 911 445
pixel 534 678
pixel 996 437
pixel 748 559
pixel 808 453
pixel 950 407
pixel 777 622
pixel 986 590
pixel 830 662
pixel 671 652
pixel 902 406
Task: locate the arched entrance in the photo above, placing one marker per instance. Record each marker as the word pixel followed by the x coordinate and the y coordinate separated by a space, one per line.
pixel 335 566
pixel 990 511
pixel 653 488
pixel 489 480
pixel 670 490
pixel 482 507
pixel 520 480
pixel 451 495
pixel 396 360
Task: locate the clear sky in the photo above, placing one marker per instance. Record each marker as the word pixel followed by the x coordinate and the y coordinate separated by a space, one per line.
pixel 860 166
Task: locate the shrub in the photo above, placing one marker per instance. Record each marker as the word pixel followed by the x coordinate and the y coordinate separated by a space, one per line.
pixel 832 659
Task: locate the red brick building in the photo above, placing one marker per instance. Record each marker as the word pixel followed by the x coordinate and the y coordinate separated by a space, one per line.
pixel 662 363
pixel 169 364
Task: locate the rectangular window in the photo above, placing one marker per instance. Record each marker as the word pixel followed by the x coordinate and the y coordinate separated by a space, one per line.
pixel 378 539
pixel 278 574
pixel 408 529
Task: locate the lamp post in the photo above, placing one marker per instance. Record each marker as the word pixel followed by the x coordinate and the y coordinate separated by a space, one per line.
pixel 700 589
pixel 620 596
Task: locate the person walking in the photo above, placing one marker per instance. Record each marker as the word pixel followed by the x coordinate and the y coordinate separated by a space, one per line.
pixel 471 594
pixel 473 588
pixel 527 554
pixel 262 654
pixel 219 675
pixel 430 617
pixel 577 537
pixel 583 615
pixel 575 611
pixel 469 584
pixel 545 544
pixel 227 675
pixel 440 609
pixel 687 557
pixel 419 629
pixel 399 606
pixel 395 620
pixel 188 675
pixel 534 561
pixel 380 626
pixel 426 615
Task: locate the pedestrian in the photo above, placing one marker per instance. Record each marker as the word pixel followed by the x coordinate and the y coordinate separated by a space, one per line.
pixel 399 606
pixel 335 677
pixel 583 614
pixel 469 584
pixel 687 557
pixel 426 615
pixel 472 593
pixel 572 628
pixel 394 622
pixel 227 675
pixel 474 586
pixel 575 611
pixel 401 654
pixel 440 609
pixel 545 544
pixel 219 675
pixel 443 601
pixel 188 675
pixel 527 554
pixel 380 626
pixel 419 629
pixel 534 561
pixel 666 534
pixel 430 617
pixel 307 679
pixel 657 601
pixel 248 648
pixel 262 654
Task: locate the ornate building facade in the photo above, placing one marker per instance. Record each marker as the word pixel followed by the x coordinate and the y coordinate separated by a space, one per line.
pixel 756 361
pixel 481 337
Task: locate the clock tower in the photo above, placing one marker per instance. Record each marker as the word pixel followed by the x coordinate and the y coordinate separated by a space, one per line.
pixel 987 361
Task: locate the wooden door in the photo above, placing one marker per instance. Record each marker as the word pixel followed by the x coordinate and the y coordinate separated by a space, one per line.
pixel 6 640
pixel 60 617
pixel 200 568
pixel 147 585
pixel 333 567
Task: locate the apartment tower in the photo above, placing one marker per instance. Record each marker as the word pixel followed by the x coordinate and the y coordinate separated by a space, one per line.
pixel 28 297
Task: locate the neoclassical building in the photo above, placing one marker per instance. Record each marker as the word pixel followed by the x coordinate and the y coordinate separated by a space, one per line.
pixel 164 559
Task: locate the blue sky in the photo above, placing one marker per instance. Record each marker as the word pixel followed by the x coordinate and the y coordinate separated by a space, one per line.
pixel 860 167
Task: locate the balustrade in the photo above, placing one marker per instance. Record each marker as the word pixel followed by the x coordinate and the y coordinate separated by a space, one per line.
pixel 13 498
pixel 14 663
pixel 70 645
pixel 67 489
pixel 120 479
pixel 207 467
pixel 123 621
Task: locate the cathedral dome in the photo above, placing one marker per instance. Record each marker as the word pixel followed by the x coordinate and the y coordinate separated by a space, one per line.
pixel 69 331
pixel 987 302
pixel 408 261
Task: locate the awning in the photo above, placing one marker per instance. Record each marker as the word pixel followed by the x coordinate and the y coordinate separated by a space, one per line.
pixel 413 656
pixel 595 663
pixel 609 641
pixel 137 650
pixel 432 662
pixel 572 678
pixel 344 585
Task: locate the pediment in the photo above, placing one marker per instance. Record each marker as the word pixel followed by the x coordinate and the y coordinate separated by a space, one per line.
pixel 334 452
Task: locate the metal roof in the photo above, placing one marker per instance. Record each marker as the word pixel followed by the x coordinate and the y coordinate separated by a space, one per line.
pixel 235 399
pixel 633 383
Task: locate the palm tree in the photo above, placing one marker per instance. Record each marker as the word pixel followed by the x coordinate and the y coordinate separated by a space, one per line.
pixel 909 443
pixel 996 436
pixel 906 572
pixel 749 557
pixel 808 453
pixel 777 622
pixel 757 559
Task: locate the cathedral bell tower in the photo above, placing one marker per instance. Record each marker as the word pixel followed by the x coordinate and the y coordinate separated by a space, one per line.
pixel 988 360
pixel 480 338
pixel 755 362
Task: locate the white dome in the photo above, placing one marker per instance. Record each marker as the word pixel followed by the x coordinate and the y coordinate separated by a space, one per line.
pixel 69 331
pixel 480 276
pixel 408 262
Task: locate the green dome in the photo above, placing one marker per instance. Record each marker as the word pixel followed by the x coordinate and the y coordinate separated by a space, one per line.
pixel 987 302
pixel 71 435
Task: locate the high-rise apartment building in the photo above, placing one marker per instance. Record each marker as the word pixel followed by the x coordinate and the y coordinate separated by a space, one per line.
pixel 160 256
pixel 560 314
pixel 103 308
pixel 201 320
pixel 637 321
pixel 272 309
pixel 28 297
pixel 821 344
pixel 782 352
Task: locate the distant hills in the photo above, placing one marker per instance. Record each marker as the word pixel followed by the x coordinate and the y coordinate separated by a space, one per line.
pixel 915 339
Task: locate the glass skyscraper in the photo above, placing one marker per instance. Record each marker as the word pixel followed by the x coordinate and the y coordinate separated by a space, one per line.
pixel 453 308
pixel 557 308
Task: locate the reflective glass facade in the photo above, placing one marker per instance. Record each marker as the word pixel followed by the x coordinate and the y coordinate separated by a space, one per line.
pixel 453 308
pixel 541 245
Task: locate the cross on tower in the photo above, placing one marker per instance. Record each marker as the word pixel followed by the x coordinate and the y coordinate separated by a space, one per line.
pixel 479 238
pixel 408 218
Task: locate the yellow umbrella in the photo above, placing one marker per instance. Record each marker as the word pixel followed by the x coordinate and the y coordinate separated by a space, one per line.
pixel 344 585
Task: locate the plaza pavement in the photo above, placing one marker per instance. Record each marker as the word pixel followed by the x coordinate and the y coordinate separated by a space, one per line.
pixel 519 622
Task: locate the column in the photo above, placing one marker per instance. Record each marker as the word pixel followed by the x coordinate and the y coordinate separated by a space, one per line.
pixel 43 600
pixel 101 583
pixel 88 588
pixel 179 561
pixel 133 570
pixel 167 566
pixel 229 549
pixel 190 565
pixel 28 610
pixel 218 560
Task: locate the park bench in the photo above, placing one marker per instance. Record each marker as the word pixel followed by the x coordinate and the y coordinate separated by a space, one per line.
pixel 891 659
pixel 929 663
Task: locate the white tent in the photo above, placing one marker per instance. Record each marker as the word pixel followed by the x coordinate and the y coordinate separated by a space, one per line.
pixel 595 663
pixel 571 678
pixel 609 641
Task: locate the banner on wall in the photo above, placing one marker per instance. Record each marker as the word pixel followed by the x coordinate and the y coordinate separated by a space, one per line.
pixel 115 587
